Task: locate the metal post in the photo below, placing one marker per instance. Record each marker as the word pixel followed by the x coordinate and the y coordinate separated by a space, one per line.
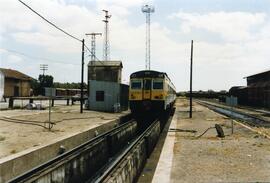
pixel 232 103
pixel 82 76
pixel 50 106
pixel 190 91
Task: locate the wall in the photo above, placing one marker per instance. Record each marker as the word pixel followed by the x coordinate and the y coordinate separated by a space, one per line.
pixel 24 87
pixel 9 87
pixel 124 96
pixel 111 95
pixel 106 73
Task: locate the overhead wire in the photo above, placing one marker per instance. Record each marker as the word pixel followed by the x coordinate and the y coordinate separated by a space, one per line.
pixel 60 29
pixel 34 57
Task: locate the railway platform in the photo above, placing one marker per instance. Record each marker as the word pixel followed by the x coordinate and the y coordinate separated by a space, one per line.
pixel 26 143
pixel 243 156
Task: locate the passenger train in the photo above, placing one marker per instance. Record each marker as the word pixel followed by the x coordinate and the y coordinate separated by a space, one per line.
pixel 150 92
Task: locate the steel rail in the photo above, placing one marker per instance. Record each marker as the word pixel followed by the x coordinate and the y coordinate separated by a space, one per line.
pixel 115 163
pixel 247 118
pixel 65 157
pixel 262 111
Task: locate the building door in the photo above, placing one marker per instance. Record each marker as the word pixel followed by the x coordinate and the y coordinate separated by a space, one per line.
pixel 16 91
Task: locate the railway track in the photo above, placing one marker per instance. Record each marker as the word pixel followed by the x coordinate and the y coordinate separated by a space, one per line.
pixel 243 117
pixel 144 143
pixel 253 111
pixel 98 159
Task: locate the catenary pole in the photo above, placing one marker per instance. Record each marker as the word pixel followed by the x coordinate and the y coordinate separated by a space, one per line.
pixel 82 76
pixel 190 91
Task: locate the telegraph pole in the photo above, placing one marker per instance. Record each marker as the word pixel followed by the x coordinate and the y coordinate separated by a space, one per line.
pixel 190 91
pixel 43 67
pixel 82 76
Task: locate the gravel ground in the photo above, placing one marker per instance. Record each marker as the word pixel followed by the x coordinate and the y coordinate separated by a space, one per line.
pixel 241 157
pixel 15 137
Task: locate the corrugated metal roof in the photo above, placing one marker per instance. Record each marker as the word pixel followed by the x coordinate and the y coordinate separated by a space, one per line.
pixel 10 73
pixel 105 63
pixel 264 72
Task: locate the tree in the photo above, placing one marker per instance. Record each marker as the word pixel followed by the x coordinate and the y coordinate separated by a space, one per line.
pixel 69 85
pixel 45 80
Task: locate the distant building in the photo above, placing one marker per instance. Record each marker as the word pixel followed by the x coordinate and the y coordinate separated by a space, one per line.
pixel 105 71
pixel 257 91
pixel 14 83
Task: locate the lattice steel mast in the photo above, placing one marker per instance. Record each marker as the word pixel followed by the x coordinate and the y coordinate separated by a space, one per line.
pixel 106 48
pixel 93 44
pixel 147 9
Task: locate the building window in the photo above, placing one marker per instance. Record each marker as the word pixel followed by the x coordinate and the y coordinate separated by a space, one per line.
pixel 99 95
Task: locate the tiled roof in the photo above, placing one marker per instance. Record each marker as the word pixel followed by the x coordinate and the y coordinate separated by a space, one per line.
pixel 9 73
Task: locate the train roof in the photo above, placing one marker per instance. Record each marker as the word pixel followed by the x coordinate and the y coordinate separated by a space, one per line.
pixel 148 73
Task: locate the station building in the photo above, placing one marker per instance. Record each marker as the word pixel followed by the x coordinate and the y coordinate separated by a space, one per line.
pixel 14 84
pixel 105 91
pixel 257 91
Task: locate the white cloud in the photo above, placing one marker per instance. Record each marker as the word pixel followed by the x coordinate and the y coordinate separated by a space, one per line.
pixel 217 65
pixel 232 26
pixel 13 59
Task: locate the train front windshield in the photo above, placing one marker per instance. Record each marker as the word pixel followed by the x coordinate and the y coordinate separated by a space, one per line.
pixel 137 84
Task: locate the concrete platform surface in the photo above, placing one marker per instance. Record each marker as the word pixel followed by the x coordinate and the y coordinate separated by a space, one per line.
pixel 241 157
pixel 16 137
pixel 24 146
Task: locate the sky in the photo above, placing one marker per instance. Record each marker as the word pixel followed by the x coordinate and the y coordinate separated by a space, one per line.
pixel 231 38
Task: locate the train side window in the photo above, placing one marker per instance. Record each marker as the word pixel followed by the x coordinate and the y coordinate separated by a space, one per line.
pixel 158 85
pixel 100 96
pixel 136 84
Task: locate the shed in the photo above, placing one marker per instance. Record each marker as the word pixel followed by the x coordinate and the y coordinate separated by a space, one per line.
pixel 14 83
pixel 105 71
pixel 107 96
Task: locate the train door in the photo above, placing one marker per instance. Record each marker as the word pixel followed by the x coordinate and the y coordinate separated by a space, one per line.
pixel 147 84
